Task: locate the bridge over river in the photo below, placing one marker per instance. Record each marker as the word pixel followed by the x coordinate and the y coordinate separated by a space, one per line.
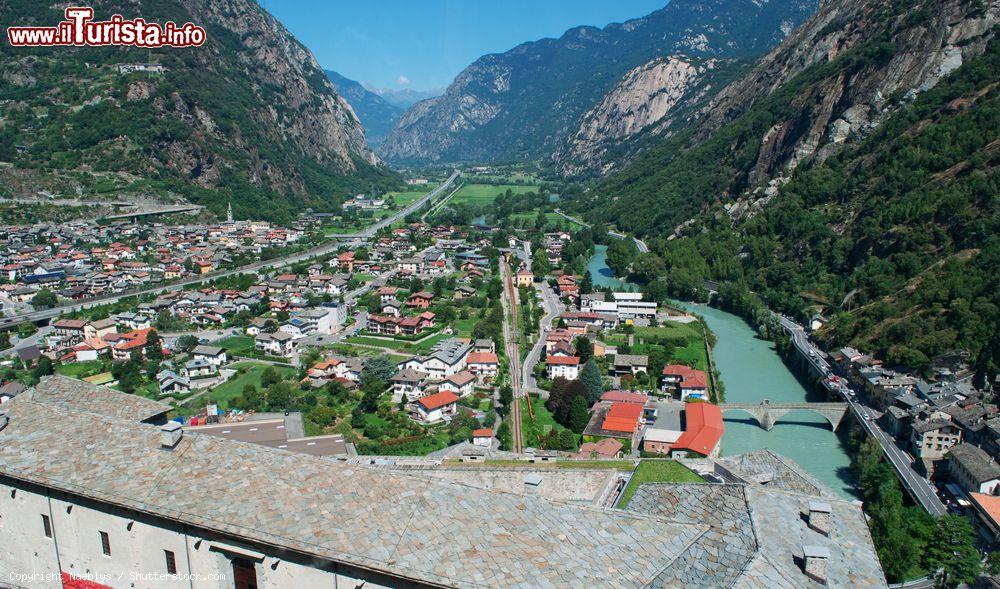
pixel 767 413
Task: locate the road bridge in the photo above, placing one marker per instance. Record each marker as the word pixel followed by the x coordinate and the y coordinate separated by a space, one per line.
pixel 767 413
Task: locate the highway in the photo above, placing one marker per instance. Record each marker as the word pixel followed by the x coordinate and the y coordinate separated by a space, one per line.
pixel 353 241
pixel 919 488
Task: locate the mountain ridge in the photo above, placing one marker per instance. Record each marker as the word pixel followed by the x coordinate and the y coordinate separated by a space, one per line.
pixel 496 110
pixel 247 117
pixel 377 114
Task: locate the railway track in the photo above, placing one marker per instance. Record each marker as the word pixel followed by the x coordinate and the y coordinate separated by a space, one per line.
pixel 513 353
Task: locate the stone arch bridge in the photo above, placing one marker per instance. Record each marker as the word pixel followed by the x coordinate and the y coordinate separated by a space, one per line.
pixel 767 413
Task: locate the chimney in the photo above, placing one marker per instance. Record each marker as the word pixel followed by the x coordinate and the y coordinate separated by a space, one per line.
pixel 4 420
pixel 819 517
pixel 170 435
pixel 816 559
pixel 531 483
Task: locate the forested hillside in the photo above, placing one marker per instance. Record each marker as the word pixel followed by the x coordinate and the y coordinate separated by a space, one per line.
pixel 248 117
pixel 896 238
pixel 864 187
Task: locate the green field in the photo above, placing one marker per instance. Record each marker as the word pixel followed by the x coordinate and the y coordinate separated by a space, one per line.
pixel 486 193
pixel 657 471
pixel 80 369
pixel 686 340
pixel 229 390
pixel 544 422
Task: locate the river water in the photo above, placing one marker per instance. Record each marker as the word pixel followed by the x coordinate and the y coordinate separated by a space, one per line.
pixel 752 371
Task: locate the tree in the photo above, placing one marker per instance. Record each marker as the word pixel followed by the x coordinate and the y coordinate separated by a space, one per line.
pixel 557 395
pixel 587 284
pixel 953 552
pixel 584 348
pixel 540 263
pixel 269 377
pixel 506 396
pixel 43 367
pixel 322 415
pixel 186 343
pixel 590 376
pixel 279 396
pixel 381 367
pixel 44 299
pixel 154 346
pixel 505 437
pixel 578 414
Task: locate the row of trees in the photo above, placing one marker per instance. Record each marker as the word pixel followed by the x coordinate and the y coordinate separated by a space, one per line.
pixel 909 541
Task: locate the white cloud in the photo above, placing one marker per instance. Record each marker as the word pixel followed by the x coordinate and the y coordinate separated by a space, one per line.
pixel 402 80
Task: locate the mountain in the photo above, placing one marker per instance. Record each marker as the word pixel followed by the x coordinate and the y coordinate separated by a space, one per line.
pixel 852 172
pixel 648 100
pixel 248 116
pixel 522 104
pixel 376 113
pixel 404 98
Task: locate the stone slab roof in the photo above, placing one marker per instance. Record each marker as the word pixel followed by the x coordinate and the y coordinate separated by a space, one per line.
pixel 70 393
pixel 757 535
pixel 431 531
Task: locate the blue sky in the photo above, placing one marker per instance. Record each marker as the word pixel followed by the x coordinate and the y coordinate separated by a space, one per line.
pixel 423 44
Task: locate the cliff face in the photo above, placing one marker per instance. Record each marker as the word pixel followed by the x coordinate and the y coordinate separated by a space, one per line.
pixel 834 80
pixel 525 102
pixel 645 101
pixel 906 53
pixel 248 116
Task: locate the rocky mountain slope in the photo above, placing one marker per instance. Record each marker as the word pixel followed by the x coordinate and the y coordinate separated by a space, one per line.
pixel 522 104
pixel 852 172
pixel 647 100
pixel 377 114
pixel 835 78
pixel 249 116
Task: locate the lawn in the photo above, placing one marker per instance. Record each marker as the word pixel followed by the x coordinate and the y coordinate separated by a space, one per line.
pixel 686 339
pixel 486 193
pixel 80 369
pixel 543 423
pixel 657 471
pixel 229 390
pixel 463 327
pixel 381 343
pixel 237 344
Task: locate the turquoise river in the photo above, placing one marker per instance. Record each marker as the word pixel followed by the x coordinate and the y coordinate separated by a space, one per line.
pixel 752 371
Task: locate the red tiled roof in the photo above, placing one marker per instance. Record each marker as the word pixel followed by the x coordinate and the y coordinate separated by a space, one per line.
pixel 704 428
pixel 483 358
pixel 438 400
pixel 482 433
pixel 567 360
pixel 622 417
pixel 989 505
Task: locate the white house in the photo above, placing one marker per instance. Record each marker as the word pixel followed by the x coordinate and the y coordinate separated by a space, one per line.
pixel 211 354
pixel 461 383
pixel 567 367
pixel 275 344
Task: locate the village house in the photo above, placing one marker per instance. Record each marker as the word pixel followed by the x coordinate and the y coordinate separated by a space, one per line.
pixel 460 383
pixel 214 356
pixel 436 407
pixel 562 366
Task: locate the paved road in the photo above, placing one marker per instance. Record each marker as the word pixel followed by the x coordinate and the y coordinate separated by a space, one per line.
pixel 32 339
pixel 639 244
pixel 919 488
pixel 553 308
pixel 353 241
